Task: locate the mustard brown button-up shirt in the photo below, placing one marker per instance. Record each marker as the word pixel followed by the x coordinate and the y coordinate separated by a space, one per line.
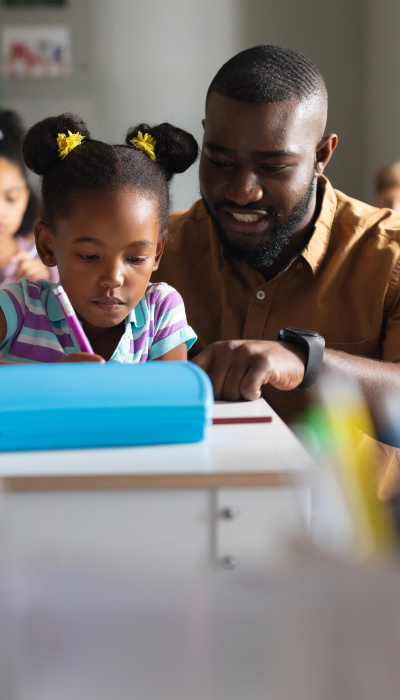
pixel 344 284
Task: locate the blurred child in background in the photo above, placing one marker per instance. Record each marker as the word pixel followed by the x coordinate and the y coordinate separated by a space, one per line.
pixel 18 209
pixel 387 187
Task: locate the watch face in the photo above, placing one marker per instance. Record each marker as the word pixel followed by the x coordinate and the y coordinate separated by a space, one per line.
pixel 295 332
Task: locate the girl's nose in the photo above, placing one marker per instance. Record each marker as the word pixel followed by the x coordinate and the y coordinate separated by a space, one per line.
pixel 112 276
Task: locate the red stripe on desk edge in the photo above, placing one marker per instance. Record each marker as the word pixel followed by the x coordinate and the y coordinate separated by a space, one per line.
pixel 232 421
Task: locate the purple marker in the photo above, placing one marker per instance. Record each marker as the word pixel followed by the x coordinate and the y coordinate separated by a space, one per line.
pixel 72 319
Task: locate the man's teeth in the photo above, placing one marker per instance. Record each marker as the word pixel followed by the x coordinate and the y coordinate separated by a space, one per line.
pixel 246 217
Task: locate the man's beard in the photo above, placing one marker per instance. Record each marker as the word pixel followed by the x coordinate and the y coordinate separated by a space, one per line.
pixel 263 254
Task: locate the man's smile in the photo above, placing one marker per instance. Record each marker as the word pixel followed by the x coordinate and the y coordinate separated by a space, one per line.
pixel 244 221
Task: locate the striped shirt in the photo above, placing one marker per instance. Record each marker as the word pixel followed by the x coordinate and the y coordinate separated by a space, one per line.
pixel 38 332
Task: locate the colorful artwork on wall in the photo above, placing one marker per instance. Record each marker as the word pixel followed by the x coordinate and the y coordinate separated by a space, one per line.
pixel 36 51
pixel 15 3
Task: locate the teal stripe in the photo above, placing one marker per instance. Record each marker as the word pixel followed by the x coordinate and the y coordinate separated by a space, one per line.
pixel 37 303
pixel 138 334
pixel 22 360
pixel 183 335
pixel 171 315
pixel 35 333
pixel 11 316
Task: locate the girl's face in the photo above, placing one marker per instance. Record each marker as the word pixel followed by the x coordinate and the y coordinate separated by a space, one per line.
pixel 105 253
pixel 14 196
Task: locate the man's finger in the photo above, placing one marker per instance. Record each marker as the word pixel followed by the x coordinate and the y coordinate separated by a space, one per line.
pixel 234 375
pixel 217 373
pixel 256 376
pixel 205 358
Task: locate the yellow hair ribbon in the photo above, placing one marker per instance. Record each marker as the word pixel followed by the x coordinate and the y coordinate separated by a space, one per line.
pixel 66 144
pixel 146 143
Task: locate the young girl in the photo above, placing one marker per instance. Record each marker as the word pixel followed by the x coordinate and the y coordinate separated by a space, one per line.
pixel 104 220
pixel 18 208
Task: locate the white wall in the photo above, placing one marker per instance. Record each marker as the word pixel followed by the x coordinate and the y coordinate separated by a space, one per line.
pixel 381 106
pixel 331 35
pixel 153 61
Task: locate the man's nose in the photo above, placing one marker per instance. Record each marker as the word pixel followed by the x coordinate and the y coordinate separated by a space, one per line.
pixel 243 188
pixel 112 275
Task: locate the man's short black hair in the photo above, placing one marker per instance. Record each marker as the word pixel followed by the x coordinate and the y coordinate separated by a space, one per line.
pixel 266 74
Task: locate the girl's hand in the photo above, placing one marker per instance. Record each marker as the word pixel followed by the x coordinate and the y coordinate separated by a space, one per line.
pixel 30 268
pixel 82 357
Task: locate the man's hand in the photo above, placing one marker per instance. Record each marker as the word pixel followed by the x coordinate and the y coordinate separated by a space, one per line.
pixel 239 368
pixel 30 268
pixel 81 357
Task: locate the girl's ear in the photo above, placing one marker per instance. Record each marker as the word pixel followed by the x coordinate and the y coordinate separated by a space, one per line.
pixel 159 252
pixel 44 243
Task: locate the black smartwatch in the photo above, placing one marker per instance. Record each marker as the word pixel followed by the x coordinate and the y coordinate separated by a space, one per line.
pixel 314 344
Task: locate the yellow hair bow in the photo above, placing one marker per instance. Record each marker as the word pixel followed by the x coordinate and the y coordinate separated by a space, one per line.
pixel 146 143
pixel 66 144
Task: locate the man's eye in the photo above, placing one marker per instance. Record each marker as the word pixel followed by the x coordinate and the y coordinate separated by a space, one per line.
pixel 220 163
pixel 273 168
pixel 88 258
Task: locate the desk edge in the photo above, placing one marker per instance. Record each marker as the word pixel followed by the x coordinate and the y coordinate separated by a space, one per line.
pixel 111 482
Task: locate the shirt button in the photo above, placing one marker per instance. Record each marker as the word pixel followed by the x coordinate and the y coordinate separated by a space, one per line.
pixel 299 265
pixel 260 294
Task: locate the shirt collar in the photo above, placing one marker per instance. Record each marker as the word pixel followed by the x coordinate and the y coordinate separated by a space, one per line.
pixel 315 250
pixel 139 316
pixel 54 311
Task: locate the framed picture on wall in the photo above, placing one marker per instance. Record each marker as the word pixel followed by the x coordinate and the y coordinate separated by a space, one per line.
pixel 15 3
pixel 36 51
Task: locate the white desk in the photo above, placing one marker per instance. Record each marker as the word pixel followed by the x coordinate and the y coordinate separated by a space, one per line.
pixel 173 511
pixel 265 454
pixel 144 572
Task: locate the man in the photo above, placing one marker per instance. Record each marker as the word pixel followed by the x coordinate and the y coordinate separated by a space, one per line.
pixel 272 245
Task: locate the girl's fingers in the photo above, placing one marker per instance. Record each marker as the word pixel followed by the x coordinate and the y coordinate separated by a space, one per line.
pixel 31 269
pixel 21 255
pixel 82 357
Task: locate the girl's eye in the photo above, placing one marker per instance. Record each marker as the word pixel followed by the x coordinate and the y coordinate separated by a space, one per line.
pixel 136 260
pixel 88 258
pixel 12 200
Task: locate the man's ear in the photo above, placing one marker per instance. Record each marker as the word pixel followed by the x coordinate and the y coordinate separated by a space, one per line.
pixel 160 250
pixel 44 240
pixel 324 152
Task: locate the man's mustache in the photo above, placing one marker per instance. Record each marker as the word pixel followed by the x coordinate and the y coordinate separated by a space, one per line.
pixel 251 206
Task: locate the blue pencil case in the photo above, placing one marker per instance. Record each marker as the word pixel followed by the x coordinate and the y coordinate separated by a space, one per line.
pixel 91 405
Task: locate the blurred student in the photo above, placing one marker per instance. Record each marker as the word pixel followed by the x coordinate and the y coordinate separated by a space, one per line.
pixel 387 187
pixel 104 222
pixel 18 209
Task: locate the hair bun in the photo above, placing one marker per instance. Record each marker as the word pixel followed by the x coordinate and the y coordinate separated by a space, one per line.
pixel 11 129
pixel 176 150
pixel 40 149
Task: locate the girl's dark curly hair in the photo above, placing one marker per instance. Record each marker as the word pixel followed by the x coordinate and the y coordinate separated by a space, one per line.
pixel 94 166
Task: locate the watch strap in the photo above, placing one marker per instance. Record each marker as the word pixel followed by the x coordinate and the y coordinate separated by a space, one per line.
pixel 315 346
